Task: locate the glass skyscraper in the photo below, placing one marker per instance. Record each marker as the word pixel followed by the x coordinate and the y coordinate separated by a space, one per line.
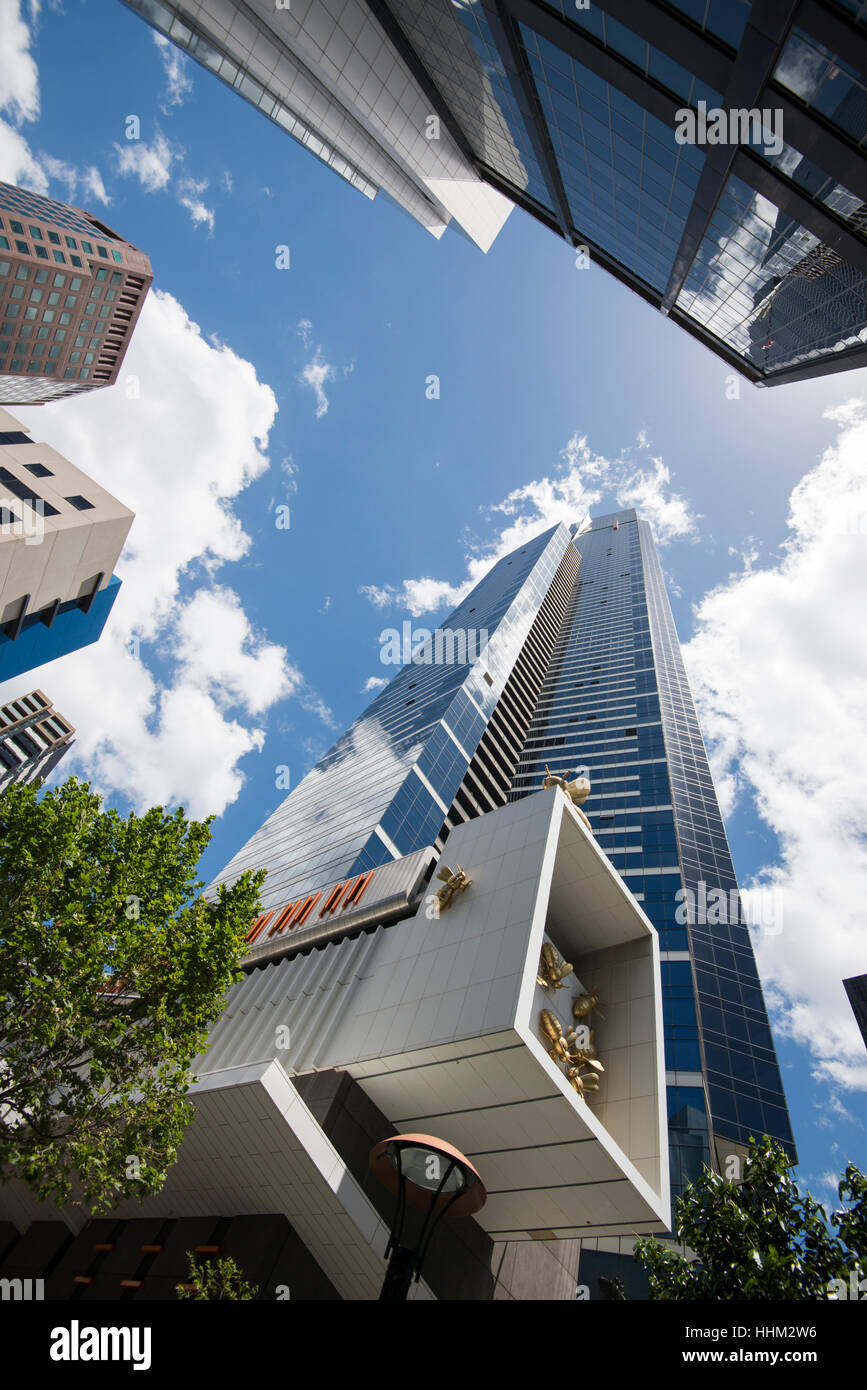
pixel 437 746
pixel 601 120
pixel 616 700
pixel 581 671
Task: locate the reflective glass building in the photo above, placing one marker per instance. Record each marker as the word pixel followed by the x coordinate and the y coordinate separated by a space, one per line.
pixel 749 233
pixel 437 746
pixel 616 701
pixel 582 671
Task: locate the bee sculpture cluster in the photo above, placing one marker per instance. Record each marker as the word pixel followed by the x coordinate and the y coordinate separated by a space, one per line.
pixel 576 1053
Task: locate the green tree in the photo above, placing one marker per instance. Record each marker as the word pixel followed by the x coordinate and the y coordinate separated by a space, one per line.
pixel 760 1239
pixel 213 1279
pixel 112 968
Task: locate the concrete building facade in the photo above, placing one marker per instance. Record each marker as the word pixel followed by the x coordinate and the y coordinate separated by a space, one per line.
pixel 60 537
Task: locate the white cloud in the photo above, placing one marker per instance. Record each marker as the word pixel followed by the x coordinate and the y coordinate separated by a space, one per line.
pixel 189 192
pixel 151 163
pixel 89 179
pixel 19 99
pixel 179 84
pixel 227 182
pixel 582 480
pixel 172 732
pixel 19 75
pixel 373 683
pixel 779 669
pixel 18 164
pixel 317 371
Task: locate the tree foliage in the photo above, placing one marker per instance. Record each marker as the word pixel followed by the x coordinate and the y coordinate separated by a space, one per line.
pixel 760 1239
pixel 215 1279
pixel 112 968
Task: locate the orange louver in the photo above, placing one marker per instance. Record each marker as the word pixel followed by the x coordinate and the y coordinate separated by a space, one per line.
pixel 259 926
pixel 334 897
pixel 359 888
pixel 307 909
pixel 283 918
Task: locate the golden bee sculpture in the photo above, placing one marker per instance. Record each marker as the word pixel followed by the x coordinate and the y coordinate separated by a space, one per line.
pixel 586 1004
pixel 454 881
pixel 553 969
pixel 582 1065
pixel 577 790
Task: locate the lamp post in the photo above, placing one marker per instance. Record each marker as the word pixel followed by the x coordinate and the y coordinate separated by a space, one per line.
pixel 432 1177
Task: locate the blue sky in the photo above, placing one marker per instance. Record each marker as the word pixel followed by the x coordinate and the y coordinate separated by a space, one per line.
pixel 255 643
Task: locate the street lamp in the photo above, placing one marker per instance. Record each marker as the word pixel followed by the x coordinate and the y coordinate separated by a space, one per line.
pixel 430 1176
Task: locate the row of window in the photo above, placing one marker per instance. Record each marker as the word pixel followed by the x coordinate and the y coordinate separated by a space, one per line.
pixel 18 232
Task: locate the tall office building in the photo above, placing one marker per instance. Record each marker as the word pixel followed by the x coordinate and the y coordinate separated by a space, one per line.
pixel 599 686
pixel 33 739
pixel 749 234
pixel 60 538
pixel 71 291
pixel 380 999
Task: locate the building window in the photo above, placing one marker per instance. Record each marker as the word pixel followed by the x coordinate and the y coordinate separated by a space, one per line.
pixel 80 503
pixel 42 253
pixel 39 470
pixel 54 238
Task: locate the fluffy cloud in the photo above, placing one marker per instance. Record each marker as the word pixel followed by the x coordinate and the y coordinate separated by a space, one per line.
pixel 189 197
pixel 582 481
pixel 19 75
pixel 19 99
pixel 779 670
pixel 88 179
pixel 167 702
pixel 150 163
pixel 373 683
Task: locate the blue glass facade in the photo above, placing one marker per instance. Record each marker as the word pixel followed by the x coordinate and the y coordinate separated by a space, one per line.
pixel 755 245
pixel 72 628
pixel 386 786
pixel 616 701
